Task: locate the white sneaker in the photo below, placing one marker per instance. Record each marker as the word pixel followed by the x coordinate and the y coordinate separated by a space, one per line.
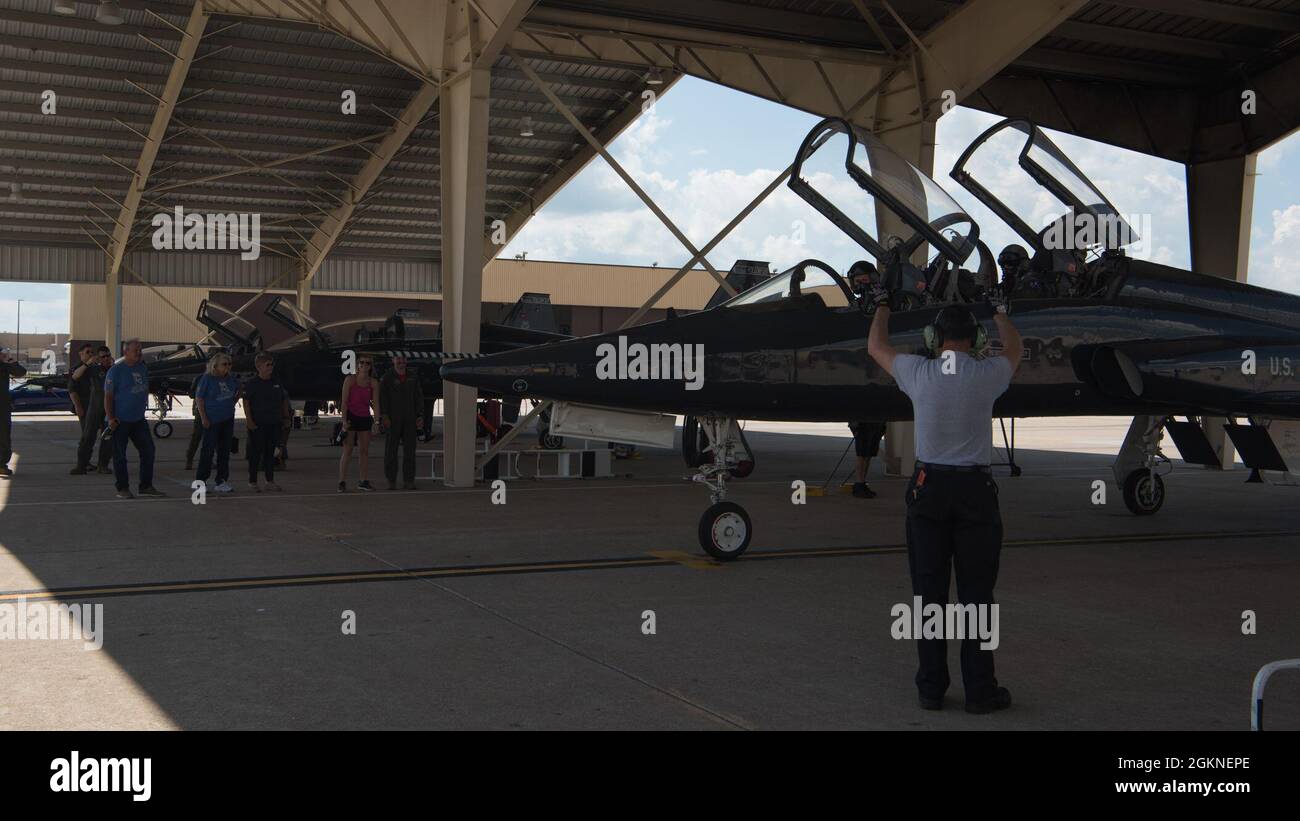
pixel 253 486
pixel 224 487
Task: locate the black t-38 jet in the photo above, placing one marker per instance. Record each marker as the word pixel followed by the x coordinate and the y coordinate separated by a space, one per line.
pixel 1104 333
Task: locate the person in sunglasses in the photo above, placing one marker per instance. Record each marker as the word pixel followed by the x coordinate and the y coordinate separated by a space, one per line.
pixel 360 395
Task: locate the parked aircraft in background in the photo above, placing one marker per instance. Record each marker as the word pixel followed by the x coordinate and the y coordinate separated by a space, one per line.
pixel 309 363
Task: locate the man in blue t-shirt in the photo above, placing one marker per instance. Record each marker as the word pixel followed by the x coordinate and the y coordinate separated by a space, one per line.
pixel 126 397
pixel 214 400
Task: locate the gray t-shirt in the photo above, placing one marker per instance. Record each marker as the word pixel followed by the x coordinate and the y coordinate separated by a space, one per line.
pixel 953 411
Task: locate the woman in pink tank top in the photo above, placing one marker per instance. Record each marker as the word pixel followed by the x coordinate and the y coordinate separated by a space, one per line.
pixel 358 400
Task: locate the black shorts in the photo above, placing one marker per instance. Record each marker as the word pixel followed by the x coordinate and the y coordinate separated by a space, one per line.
pixel 360 423
pixel 866 437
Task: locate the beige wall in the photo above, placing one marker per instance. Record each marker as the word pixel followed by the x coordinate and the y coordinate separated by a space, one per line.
pixel 144 313
pixel 616 288
pixel 608 286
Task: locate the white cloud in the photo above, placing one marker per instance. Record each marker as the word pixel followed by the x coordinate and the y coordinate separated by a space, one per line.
pixel 1275 258
pixel 612 225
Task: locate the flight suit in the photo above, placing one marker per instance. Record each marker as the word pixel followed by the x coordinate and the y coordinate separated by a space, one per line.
pixel 92 427
pixel 196 431
pixel 403 403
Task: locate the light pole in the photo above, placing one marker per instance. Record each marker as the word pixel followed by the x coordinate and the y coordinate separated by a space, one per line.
pixel 18 343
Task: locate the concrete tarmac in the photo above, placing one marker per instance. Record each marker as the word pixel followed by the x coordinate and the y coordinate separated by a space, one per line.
pixel 529 615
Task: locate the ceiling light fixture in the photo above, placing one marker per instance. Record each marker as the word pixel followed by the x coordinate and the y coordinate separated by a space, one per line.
pixel 16 191
pixel 65 7
pixel 109 13
pixel 655 78
pixel 527 130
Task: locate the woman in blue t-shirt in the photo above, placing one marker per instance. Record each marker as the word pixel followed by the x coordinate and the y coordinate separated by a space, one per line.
pixel 215 400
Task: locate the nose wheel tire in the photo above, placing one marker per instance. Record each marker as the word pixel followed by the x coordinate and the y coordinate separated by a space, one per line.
pixel 162 430
pixel 725 531
pixel 1144 492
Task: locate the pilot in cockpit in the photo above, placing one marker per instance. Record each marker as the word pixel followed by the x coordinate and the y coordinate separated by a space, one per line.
pixel 861 274
pixel 1014 264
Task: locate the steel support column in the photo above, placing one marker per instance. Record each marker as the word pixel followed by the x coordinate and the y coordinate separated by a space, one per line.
pixel 916 145
pixel 463 136
pixel 1220 205
pixel 185 51
pixel 303 297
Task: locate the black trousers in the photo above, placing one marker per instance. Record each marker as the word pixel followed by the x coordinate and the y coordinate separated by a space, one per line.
pixel 953 522
pixel 216 439
pixel 6 432
pixel 402 434
pixel 261 451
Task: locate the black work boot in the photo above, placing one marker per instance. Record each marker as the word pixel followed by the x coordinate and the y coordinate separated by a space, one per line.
pixel 1001 700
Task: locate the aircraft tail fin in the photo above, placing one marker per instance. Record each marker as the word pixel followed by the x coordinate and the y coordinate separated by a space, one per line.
pixel 533 312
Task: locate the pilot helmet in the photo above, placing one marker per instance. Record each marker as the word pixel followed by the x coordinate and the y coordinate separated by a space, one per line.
pixel 861 269
pixel 1013 260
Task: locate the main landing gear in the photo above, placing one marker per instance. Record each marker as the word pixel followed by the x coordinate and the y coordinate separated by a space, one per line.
pixel 162 429
pixel 725 528
pixel 1140 465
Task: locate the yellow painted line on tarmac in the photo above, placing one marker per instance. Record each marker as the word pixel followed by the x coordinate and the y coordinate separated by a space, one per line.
pixel 691 560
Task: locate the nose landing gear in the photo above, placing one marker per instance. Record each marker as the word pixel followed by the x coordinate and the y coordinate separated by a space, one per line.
pixel 725 528
pixel 1136 467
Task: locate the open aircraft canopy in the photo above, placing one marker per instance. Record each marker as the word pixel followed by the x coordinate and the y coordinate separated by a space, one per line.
pixel 290 316
pixel 1050 168
pixel 229 326
pixel 803 279
pixel 818 177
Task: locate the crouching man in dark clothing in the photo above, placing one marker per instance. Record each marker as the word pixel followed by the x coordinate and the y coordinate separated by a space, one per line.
pixel 401 407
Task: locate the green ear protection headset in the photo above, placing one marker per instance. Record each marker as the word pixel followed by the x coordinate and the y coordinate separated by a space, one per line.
pixel 932 336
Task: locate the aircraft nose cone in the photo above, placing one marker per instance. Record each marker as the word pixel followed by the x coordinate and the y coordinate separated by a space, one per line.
pixel 495 373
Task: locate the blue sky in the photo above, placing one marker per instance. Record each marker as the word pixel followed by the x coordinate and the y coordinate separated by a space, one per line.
pixel 704 151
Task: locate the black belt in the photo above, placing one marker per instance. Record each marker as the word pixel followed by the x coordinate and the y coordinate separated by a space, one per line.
pixel 931 466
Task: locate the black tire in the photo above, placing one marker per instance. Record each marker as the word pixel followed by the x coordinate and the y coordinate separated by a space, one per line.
pixel 693 442
pixel 725 531
pixel 1144 492
pixel 162 429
